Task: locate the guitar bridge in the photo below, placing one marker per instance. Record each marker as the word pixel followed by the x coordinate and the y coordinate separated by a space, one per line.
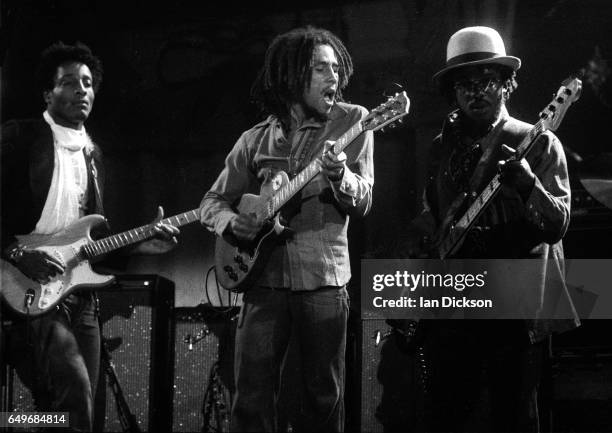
pixel 241 265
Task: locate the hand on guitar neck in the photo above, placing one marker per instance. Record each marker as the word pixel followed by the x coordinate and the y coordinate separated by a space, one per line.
pixel 515 173
pixel 333 166
pixel 164 240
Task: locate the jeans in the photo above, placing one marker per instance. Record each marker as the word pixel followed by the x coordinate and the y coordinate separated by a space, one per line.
pixel 269 318
pixel 57 356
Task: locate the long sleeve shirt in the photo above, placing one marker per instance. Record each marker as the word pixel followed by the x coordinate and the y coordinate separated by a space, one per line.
pixel 317 252
pixel 512 226
pixel 517 228
pixel 27 151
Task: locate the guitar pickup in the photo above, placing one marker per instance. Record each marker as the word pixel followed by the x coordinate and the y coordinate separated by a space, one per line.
pixel 230 272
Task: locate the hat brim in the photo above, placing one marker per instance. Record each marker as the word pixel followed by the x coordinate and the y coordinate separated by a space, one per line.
pixel 509 61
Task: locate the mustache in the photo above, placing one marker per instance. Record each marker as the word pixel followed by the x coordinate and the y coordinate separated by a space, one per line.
pixel 479 101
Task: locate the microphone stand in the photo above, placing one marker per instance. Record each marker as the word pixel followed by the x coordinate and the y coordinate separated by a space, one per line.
pixel 127 419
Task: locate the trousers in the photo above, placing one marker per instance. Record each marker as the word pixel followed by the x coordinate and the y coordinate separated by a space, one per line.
pixel 317 322
pixel 57 356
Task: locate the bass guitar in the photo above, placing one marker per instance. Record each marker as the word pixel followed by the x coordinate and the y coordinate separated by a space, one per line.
pixel 453 231
pixel 239 264
pixel 74 248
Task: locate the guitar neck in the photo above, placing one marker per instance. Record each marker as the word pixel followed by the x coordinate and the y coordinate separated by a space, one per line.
pixel 529 140
pixel 287 191
pixel 120 240
pixel 487 194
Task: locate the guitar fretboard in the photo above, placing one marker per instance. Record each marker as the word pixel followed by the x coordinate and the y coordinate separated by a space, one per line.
pixel 469 217
pixel 119 240
pixel 287 191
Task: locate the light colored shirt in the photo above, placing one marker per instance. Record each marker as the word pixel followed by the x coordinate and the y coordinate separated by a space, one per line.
pixel 317 253
pixel 68 191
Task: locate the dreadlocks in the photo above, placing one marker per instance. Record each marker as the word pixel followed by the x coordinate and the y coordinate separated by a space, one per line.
pixel 287 69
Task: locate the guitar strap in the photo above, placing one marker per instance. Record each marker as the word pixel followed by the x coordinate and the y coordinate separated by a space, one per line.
pixel 488 144
pixel 304 153
pixel 97 190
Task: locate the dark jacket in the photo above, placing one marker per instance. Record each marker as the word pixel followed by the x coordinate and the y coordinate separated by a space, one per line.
pixel 27 158
pixel 512 227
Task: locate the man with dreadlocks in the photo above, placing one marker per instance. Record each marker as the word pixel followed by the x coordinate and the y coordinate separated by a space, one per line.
pixel 301 293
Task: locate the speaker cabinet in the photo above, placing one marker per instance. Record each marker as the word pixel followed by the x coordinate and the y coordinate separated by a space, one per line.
pixel 203 360
pixel 137 331
pixel 15 395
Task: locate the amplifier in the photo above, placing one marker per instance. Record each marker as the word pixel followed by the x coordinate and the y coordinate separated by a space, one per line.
pixel 587 213
pixel 203 373
pixel 589 234
pixel 137 330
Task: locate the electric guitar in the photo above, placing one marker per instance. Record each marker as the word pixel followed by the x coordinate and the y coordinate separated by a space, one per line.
pixel 238 264
pixel 453 231
pixel 74 248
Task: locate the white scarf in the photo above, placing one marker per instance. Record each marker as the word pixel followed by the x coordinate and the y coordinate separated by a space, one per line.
pixel 68 190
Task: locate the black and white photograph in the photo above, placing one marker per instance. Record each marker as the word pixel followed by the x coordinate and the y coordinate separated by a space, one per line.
pixel 352 216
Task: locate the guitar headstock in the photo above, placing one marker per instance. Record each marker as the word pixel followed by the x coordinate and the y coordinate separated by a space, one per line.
pixel 568 93
pixel 394 109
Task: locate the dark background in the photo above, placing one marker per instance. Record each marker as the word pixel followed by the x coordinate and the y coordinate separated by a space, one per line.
pixel 175 95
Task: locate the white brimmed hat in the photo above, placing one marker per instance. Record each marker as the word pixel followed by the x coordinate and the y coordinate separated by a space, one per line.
pixel 476 46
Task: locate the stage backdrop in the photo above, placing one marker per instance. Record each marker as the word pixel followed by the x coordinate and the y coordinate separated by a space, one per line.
pixel 175 95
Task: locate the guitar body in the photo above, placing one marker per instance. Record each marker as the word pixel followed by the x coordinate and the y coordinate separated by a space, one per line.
pixel 239 264
pixel 28 297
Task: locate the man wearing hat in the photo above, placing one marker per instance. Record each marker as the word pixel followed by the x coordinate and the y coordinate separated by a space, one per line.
pixel 527 219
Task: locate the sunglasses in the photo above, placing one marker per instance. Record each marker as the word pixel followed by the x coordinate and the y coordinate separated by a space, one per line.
pixel 486 85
